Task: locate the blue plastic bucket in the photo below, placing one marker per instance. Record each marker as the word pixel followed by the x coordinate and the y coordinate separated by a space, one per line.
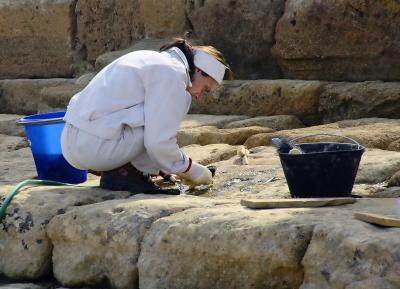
pixel 44 134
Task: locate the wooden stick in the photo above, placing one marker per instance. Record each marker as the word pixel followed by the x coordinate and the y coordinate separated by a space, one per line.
pixel 382 220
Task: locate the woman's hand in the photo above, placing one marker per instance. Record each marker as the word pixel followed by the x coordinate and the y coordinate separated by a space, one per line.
pixel 197 175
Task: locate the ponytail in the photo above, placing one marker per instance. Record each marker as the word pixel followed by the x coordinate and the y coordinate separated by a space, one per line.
pixel 186 48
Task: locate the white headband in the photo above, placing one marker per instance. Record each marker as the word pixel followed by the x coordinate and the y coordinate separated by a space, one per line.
pixel 209 65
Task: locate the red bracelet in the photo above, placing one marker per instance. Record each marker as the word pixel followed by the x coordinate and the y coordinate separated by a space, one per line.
pixel 189 166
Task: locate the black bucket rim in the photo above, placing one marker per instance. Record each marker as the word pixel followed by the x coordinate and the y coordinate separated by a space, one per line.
pixel 293 143
pixel 359 148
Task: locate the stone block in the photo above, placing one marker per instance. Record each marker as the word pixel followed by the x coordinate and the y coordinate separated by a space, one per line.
pixel 243 30
pixel 264 98
pixel 36 38
pixel 23 96
pixel 164 18
pixel 339 40
pixel 347 100
pixel 107 25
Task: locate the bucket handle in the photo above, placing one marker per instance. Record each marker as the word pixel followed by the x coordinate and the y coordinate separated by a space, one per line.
pixel 326 134
pixel 23 121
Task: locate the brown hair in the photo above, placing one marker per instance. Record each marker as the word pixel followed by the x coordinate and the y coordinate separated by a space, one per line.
pixel 186 48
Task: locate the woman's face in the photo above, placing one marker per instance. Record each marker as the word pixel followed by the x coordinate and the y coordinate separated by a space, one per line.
pixel 201 85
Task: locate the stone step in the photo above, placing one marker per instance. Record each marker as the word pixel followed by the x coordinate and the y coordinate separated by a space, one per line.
pixel 312 102
pixel 89 236
pixel 372 133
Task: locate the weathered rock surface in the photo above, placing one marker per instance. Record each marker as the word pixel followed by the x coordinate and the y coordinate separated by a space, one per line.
pixel 276 122
pixel 36 39
pixel 12 143
pixel 144 44
pixel 15 165
pixel 91 230
pixel 326 40
pixel 103 241
pixel 162 19
pixel 236 247
pixel 263 177
pixel 107 25
pixel 372 135
pixel 25 250
pixel 312 102
pixel 211 153
pixel 232 246
pixel 264 98
pixel 240 29
pixel 347 253
pixel 377 166
pixel 339 40
pixel 58 97
pixel 219 121
pixel 209 135
pixel 359 100
pixel 21 286
pixel 23 96
pixel 394 179
pixel 9 127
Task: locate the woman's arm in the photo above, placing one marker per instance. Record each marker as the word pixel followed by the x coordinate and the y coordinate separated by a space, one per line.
pixel 166 104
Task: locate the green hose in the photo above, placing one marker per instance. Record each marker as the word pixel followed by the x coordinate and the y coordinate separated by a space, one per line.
pixel 22 184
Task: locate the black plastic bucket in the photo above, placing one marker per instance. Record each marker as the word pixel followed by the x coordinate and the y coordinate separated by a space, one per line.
pixel 324 169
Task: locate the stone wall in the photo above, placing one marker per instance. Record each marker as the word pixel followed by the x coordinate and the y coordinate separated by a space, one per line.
pixel 36 38
pixel 338 40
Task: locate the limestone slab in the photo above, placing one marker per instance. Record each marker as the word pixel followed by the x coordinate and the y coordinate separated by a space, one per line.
pixel 103 241
pixel 107 25
pixel 21 286
pixel 142 44
pixel 212 153
pixel 164 18
pixel 36 39
pixel 23 96
pixel 264 98
pixel 25 249
pixel 276 122
pixel 211 135
pixel 378 166
pixel 243 30
pixel 314 42
pixel 8 125
pixel 12 143
pixel 346 100
pixel 232 246
pixel 16 166
pixel 371 135
pixel 261 178
pixel 219 121
pixel 235 247
pixel 56 98
pixel 346 253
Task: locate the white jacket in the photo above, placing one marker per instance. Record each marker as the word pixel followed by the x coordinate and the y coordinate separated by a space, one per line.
pixel 142 88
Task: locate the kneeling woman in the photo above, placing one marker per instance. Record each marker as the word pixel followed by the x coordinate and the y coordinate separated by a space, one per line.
pixel 124 123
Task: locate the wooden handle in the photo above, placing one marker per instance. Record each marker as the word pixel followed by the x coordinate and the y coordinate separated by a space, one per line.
pixel 382 220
